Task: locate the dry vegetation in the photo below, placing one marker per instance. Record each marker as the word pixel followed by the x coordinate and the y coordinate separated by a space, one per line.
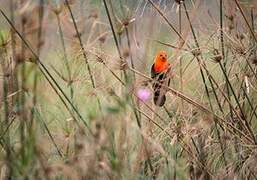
pixel 75 89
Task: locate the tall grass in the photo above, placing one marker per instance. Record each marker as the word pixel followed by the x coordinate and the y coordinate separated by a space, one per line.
pixel 71 76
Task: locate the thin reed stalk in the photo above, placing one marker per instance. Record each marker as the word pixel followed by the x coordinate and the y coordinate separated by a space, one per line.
pixel 65 55
pixel 84 53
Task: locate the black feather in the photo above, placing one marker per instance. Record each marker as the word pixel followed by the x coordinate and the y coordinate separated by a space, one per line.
pixel 159 100
pixel 159 97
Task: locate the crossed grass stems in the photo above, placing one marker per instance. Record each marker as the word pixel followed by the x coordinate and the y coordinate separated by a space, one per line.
pixel 248 137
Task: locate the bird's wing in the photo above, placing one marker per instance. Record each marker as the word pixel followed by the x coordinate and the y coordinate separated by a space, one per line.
pixel 153 73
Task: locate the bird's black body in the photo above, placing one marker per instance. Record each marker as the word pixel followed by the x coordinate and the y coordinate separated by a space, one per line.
pixel 159 97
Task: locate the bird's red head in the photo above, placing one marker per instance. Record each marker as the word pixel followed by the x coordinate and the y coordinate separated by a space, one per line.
pixel 162 56
pixel 161 61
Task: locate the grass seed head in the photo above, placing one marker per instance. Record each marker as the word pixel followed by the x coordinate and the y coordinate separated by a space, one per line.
pixel 217 57
pixel 196 52
pixel 126 22
pixel 240 36
pixel 102 39
pixel 179 1
pixel 94 14
pixel 57 9
pixel 126 53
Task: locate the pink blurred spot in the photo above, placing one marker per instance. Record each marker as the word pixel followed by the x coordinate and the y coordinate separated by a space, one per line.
pixel 143 94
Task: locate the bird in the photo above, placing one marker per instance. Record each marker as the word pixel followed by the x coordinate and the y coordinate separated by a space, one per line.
pixel 160 74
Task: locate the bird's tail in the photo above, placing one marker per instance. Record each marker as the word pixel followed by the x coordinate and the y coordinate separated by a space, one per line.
pixel 159 99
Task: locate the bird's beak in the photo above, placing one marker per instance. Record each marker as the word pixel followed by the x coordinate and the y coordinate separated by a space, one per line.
pixel 163 59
